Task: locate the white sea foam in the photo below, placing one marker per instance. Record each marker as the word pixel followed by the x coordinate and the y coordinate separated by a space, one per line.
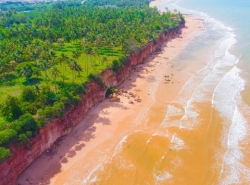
pixel 159 134
pixel 196 88
pixel 162 176
pixel 176 143
pixel 225 44
pixel 203 90
pixel 210 74
pixel 225 92
pixel 173 111
pixel 227 98
pixel 119 146
pixel 92 176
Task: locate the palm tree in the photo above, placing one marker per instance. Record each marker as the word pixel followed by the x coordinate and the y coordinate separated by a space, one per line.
pixel 96 53
pixel 63 59
pixel 87 51
pixel 104 60
pixel 37 89
pixel 45 67
pixel 26 72
pixel 12 64
pixel 75 66
pixel 76 54
pixel 55 73
pixel 37 70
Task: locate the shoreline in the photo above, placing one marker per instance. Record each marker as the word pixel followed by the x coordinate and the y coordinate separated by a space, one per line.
pixel 89 138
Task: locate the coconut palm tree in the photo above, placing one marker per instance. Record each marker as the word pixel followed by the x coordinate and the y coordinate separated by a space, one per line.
pixel 26 72
pixel 55 73
pixel 45 67
pixel 12 64
pixel 75 67
pixel 63 59
pixel 104 60
pixel 76 54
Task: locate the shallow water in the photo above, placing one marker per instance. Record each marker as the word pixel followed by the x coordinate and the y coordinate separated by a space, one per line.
pixel 202 136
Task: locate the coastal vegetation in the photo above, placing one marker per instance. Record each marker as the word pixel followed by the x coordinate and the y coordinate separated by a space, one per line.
pixel 47 56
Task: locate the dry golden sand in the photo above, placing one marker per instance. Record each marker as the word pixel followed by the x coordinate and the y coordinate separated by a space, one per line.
pixel 97 135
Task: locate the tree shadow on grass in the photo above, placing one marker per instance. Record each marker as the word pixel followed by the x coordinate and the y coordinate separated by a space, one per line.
pixel 9 83
pixel 32 81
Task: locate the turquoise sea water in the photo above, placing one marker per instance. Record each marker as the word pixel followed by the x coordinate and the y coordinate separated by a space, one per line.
pixel 233 14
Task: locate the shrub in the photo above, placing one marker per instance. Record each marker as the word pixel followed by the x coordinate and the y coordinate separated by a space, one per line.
pixel 40 117
pixel 55 111
pixel 58 109
pixel 28 94
pixel 41 121
pixel 110 91
pixel 79 89
pixel 72 88
pixel 123 60
pixel 7 137
pixel 48 95
pixel 25 69
pixel 40 112
pixel 7 77
pixel 10 108
pixel 76 100
pixel 28 123
pixel 25 123
pixel 97 79
pixel 92 77
pixel 116 65
pixel 30 108
pixel 4 154
pixel 64 99
pixel 23 139
pixel 49 112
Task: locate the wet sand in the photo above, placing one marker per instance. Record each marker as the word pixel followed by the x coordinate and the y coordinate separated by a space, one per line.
pixel 156 82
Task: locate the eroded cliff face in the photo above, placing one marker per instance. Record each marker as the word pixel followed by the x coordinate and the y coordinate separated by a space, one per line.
pixel 23 156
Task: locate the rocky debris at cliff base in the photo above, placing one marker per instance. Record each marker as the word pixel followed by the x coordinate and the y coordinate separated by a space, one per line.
pixel 52 150
pixel 116 97
pixel 138 69
pixel 138 100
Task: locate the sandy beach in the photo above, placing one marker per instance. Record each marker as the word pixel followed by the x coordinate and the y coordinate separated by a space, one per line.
pixel 156 82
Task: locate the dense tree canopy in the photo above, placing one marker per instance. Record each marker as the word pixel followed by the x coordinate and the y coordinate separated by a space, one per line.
pixel 118 3
pixel 20 6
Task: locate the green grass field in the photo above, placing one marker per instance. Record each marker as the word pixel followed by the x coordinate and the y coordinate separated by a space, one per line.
pixel 89 63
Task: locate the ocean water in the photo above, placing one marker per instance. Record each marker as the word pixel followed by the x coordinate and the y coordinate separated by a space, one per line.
pixel 233 15
pixel 204 138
